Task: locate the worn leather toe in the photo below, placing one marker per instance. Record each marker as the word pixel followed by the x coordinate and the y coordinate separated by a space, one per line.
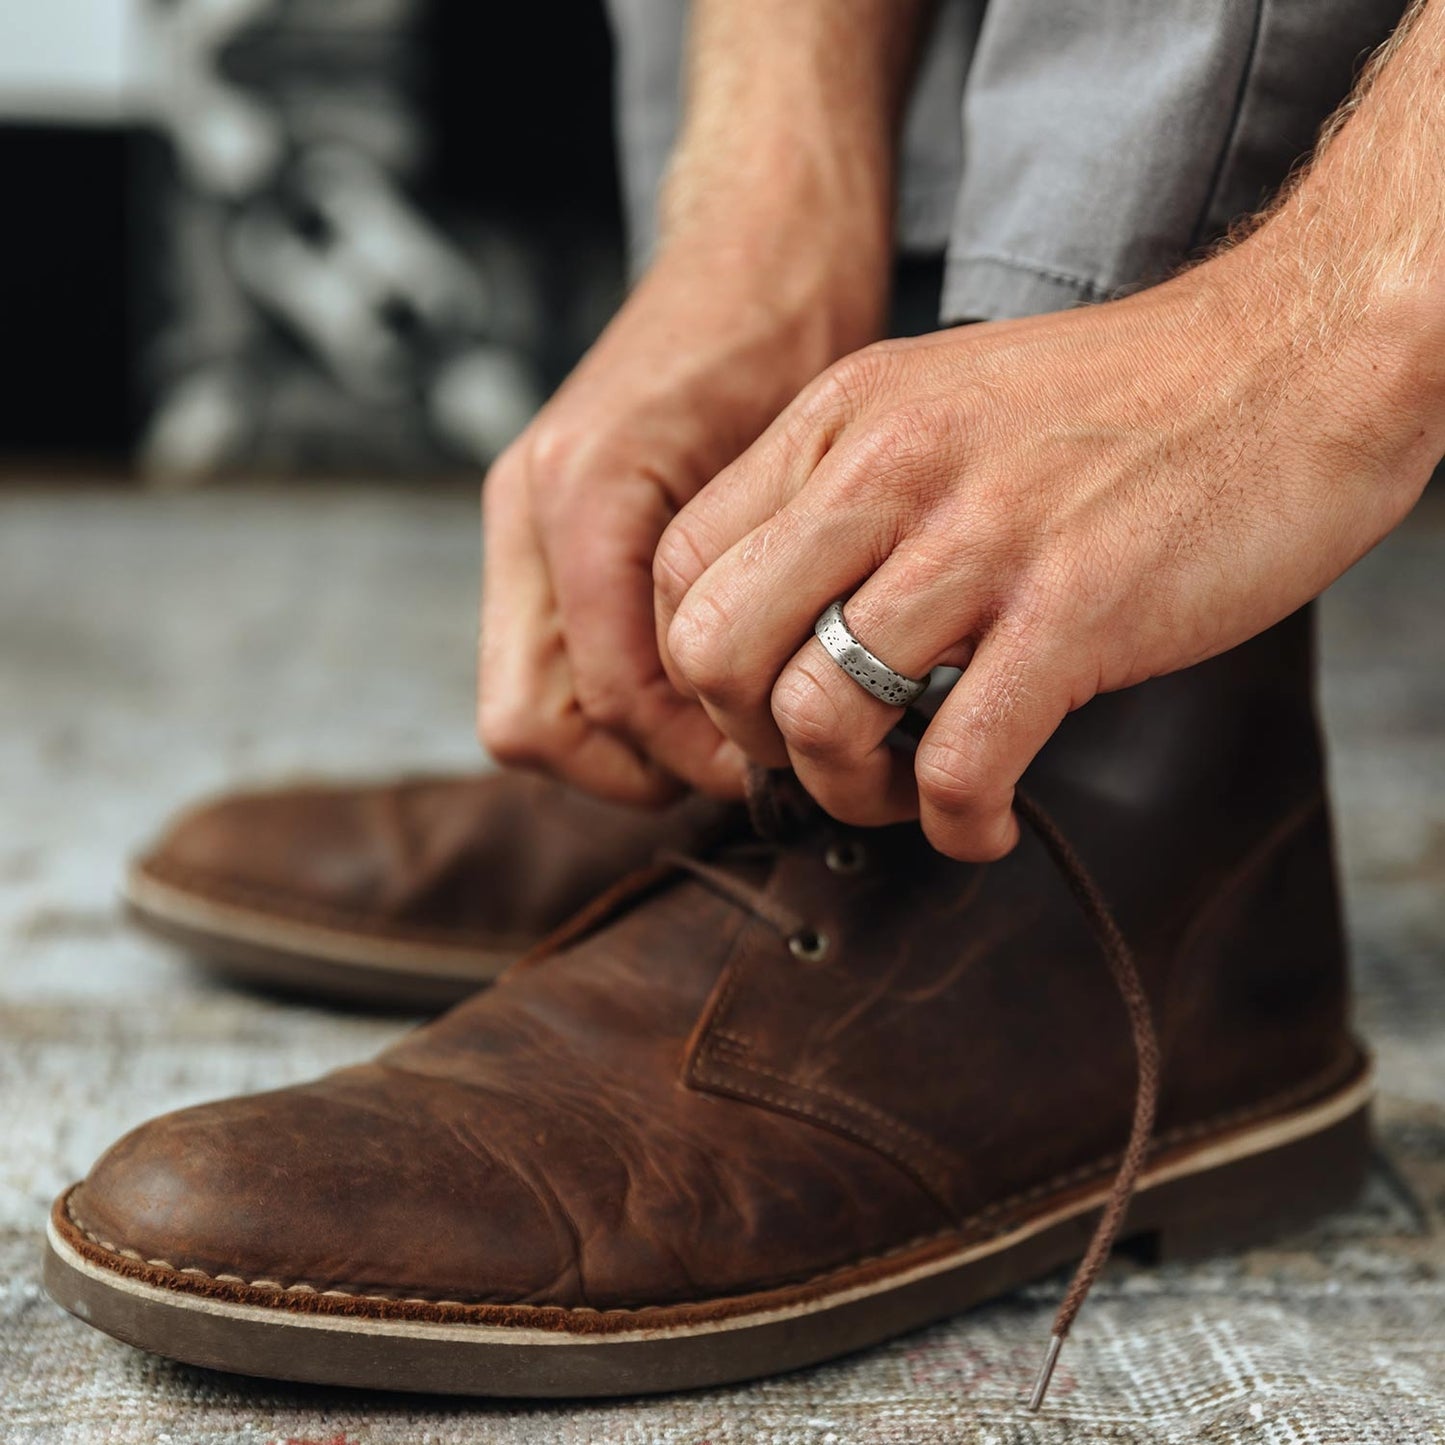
pixel 317 1187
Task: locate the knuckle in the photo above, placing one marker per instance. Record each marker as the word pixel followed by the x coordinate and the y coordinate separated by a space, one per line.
pixel 677 563
pixel 949 779
pixel 906 429
pixel 699 652
pixel 891 445
pixel 560 466
pixel 882 477
pixel 551 449
pixel 848 384
pixel 808 717
pixel 509 462
pixel 892 467
pixel 512 735
pixel 505 478
pixel 864 369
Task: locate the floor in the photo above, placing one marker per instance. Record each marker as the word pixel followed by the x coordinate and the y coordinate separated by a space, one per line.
pixel 152 648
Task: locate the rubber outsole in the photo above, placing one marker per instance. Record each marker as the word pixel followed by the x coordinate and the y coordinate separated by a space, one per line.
pixel 1233 1188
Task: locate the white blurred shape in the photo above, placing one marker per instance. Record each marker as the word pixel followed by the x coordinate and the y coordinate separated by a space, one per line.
pixel 228 142
pixel 70 60
pixel 328 304
pixel 482 399
pixel 196 431
pixel 381 237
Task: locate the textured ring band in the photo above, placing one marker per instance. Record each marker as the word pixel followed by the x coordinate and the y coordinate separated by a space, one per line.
pixel 871 673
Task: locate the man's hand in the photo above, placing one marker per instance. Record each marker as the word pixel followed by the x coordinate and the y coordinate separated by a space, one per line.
pixel 1074 503
pixel 777 225
pixel 698 361
pixel 1063 506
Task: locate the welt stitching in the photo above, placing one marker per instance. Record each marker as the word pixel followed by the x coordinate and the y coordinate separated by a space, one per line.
pixel 1179 1134
pixel 719 1012
pixel 274 1286
pixel 734 1041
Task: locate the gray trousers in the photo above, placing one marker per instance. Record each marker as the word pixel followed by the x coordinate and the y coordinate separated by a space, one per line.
pixel 1062 151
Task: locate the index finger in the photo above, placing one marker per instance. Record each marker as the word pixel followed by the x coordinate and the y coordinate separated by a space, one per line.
pixel 739 499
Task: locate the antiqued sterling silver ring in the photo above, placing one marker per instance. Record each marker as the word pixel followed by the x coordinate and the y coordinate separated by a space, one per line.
pixel 871 673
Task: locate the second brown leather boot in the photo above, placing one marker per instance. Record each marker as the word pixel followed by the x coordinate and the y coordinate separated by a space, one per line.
pixel 410 893
pixel 758 1110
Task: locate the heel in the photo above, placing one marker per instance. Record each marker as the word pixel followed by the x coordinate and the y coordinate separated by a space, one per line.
pixel 1255 1199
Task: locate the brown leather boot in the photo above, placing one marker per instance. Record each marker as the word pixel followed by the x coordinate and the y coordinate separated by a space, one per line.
pixel 757 1111
pixel 409 893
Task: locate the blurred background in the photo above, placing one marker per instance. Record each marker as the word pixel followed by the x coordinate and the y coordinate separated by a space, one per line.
pixel 282 236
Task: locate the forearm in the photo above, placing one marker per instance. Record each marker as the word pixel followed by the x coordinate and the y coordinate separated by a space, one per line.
pixel 1355 249
pixel 789 135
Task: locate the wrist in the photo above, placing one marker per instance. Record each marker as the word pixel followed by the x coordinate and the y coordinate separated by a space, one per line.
pixel 822 275
pixel 784 169
pixel 1354 345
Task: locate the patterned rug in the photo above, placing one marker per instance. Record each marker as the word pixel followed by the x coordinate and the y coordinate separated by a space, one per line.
pixel 151 649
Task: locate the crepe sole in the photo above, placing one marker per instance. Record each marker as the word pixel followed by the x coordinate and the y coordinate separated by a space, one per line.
pixel 1222 1191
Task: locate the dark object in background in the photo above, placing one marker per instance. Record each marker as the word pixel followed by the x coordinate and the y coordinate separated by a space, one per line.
pixel 361 238
pixel 74 304
pixel 520 113
pixel 519 107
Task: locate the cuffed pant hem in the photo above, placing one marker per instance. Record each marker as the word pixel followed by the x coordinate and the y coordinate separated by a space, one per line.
pixel 1000 288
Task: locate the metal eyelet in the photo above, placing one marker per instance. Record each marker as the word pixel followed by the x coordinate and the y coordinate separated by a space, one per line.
pixel 846 856
pixel 808 945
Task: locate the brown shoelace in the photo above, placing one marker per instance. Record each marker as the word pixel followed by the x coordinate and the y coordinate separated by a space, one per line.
pixel 772 821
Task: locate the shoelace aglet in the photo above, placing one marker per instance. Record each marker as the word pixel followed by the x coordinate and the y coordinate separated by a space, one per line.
pixel 1046 1372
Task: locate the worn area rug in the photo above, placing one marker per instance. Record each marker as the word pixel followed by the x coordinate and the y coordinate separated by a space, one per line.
pixel 154 648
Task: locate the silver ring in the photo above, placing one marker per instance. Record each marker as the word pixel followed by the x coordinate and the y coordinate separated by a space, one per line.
pixel 871 673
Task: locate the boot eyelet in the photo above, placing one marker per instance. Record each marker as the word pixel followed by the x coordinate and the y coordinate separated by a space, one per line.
pixel 808 945
pixel 846 856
